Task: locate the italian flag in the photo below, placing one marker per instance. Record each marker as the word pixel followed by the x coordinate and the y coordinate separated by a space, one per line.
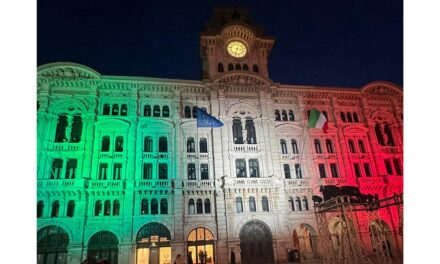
pixel 317 120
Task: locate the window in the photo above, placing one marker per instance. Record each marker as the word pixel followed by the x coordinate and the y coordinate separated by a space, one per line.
pixel 147 110
pixel 389 136
pixel 190 146
pixel 283 146
pixel 148 171
pixel 298 171
pixel 156 111
pixel 194 112
pixel 277 115
pixel 253 168
pixel 284 115
pixel 325 114
pixel 305 204
pixel 292 203
pixel 144 206
pixel 203 145
pixel 163 171
pixel 165 111
pixel 119 147
pixel 321 168
pixel 240 165
pixel 191 171
pixel 207 206
pixel 105 144
pixel 329 145
pixel 55 209
pixel 199 206
pixel 298 203
pixel 291 116
pixel 75 135
pixel 191 207
pixel 238 205
pixel 163 206
pixel 265 204
pixel 204 174
pixel 357 170
pixel 107 208
pixel 294 146
pixel 317 143
pixel 397 168
pixel 355 117
pixel 123 110
pixel 230 67
pixel 117 167
pixel 106 109
pixel 388 167
pixel 60 133
pixel 245 67
pixel 163 144
pixel 286 171
pixel 351 146
pixel 349 117
pixel 377 130
pixel 255 68
pixel 57 165
pixel 343 117
pixel 252 205
pixel 115 109
pixel 250 128
pixel 334 170
pixel 367 169
pixel 187 112
pixel 154 207
pixel 238 67
pixel 103 171
pixel 236 131
pixel 116 207
pixel 148 144
pixel 40 209
pixel 98 208
pixel 220 67
pixel 71 168
pixel 361 146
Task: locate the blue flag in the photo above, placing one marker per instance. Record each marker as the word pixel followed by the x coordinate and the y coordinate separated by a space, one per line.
pixel 206 120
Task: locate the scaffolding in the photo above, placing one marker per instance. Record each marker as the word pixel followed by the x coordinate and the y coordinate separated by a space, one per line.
pixel 349 250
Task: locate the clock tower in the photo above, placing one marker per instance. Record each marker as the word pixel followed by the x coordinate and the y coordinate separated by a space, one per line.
pixel 231 44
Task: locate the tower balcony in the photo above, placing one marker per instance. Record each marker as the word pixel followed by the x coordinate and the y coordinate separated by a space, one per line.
pixel 338 181
pixel 200 156
pixel 250 182
pixel 65 146
pixel 104 184
pixel 195 184
pixel 246 148
pixel 297 182
pixel 114 155
pixel 55 184
pixel 156 184
pixel 155 155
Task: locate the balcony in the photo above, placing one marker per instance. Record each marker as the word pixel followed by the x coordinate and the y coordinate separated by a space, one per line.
pixel 162 184
pixel 247 182
pixel 370 181
pixel 155 155
pixel 102 184
pixel 390 149
pixel 109 155
pixel 290 156
pixel 246 148
pixel 338 181
pixel 394 180
pixel 60 184
pixel 297 182
pixel 65 146
pixel 193 184
pixel 325 156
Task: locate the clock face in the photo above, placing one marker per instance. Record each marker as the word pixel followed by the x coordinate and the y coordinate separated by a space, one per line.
pixel 237 49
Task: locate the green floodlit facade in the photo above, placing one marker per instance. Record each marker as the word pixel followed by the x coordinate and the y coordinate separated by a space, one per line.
pixel 125 175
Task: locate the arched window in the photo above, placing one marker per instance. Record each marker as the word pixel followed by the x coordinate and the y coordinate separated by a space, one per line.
pixel 40 209
pixel 349 119
pixel 105 144
pixel 351 146
pixel 286 168
pixel 305 204
pixel 252 205
pixel 343 117
pixel 203 145
pixel 204 173
pixel 190 146
pixel 254 170
pixel 156 111
pixel 163 171
pixel 75 135
pixel 60 133
pixel 220 67
pixel 194 112
pixel 277 115
pixel 191 207
pixel 265 204
pixel 284 115
pixel 199 206
pixel 355 117
pixel 165 111
pixel 106 110
pixel 389 134
pixel 187 112
pixel 163 144
pixel 283 146
pixel 119 147
pixel 292 204
pixel 147 110
pixel 230 67
pixel 255 68
pixel 103 245
pixel 318 149
pixel 298 203
pixel 294 146
pixel 144 206
pixel 116 207
pixel 115 109
pixel 250 129
pixel 154 207
pixel 55 209
pixel 71 168
pixel 361 146
pixel 124 110
pixel 329 145
pixel 238 205
pixel 148 144
pixel 377 130
pixel 240 165
pixel 70 208
pixel 245 67
pixel 107 207
pixel 98 207
pixel 291 116
pixel 237 131
pixel 238 67
pixel 163 206
pixel 52 245
pixel 57 165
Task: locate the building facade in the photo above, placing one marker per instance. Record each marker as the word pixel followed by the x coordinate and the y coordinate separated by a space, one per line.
pixel 125 174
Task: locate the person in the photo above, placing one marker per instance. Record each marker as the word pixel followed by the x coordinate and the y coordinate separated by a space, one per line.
pixel 189 259
pixel 201 257
pixel 178 259
pixel 232 257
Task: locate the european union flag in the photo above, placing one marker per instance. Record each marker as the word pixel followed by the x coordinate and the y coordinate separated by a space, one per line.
pixel 206 120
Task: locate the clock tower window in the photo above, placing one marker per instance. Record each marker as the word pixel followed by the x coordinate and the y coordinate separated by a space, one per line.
pixel 255 68
pixel 220 67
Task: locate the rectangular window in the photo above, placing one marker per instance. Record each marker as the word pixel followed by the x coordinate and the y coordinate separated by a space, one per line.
pixel 71 168
pixel 321 168
pixel 334 170
pixel 103 171
pixel 163 171
pixel 117 167
pixel 204 174
pixel 254 170
pixel 388 167
pixel 397 168
pixel 298 171
pixel 240 166
pixel 148 171
pixel 286 171
pixel 57 165
pixel 357 170
pixel 191 171
pixel 367 169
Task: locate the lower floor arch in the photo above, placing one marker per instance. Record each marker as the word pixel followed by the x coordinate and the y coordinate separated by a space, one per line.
pixel 103 246
pixel 153 244
pixel 382 228
pixel 256 243
pixel 201 246
pixel 52 244
pixel 304 242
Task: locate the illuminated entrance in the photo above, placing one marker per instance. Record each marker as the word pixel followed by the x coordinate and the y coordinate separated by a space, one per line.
pixel 103 246
pixel 52 244
pixel 256 243
pixel 153 244
pixel 201 246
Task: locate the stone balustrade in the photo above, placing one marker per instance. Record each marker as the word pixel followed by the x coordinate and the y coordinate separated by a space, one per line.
pixel 154 184
pixel 367 181
pixel 60 183
pixel 68 146
pixel 246 148
pixel 192 184
pixel 247 182
pixel 338 181
pixel 297 182
pixel 102 184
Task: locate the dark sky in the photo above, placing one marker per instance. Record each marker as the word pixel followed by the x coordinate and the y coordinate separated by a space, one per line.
pixel 317 42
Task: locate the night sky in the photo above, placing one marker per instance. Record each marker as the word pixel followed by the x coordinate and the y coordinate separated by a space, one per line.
pixel 317 42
